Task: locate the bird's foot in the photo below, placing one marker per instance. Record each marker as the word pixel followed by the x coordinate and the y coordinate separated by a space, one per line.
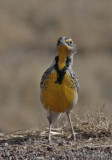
pixel 73 137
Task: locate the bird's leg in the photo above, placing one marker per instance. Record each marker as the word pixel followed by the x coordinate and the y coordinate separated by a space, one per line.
pixel 69 119
pixel 49 137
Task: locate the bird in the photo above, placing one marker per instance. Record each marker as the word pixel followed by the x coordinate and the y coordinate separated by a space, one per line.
pixel 60 85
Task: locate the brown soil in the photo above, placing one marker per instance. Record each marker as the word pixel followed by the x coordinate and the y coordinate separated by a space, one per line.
pixel 33 145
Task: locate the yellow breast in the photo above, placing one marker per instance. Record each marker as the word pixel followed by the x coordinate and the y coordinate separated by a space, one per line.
pixel 58 97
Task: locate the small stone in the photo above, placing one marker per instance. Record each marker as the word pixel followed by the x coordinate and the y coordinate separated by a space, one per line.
pixel 60 144
pixel 49 148
pixel 39 158
pixel 6 144
pixel 1 134
pixel 25 147
pixel 1 149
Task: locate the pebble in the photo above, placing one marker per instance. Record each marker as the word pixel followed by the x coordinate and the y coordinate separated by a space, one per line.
pixel 1 134
pixel 61 150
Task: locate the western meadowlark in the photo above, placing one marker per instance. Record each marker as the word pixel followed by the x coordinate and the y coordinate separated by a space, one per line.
pixel 59 84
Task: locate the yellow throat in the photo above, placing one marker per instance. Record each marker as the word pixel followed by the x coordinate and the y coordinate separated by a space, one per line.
pixel 63 52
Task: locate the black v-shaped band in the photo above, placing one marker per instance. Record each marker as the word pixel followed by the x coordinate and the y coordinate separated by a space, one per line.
pixel 61 73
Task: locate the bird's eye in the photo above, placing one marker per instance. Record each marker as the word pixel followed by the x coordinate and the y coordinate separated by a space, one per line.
pixel 69 42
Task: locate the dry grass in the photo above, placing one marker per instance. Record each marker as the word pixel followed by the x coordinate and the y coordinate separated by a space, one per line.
pixel 93 126
pixel 89 126
pixel 93 140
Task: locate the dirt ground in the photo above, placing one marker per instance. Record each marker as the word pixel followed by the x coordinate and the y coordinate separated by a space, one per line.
pixel 33 145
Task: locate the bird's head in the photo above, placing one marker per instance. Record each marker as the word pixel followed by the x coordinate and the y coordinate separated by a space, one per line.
pixel 66 46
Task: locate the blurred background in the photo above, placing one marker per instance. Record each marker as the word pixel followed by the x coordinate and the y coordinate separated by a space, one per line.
pixel 28 35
